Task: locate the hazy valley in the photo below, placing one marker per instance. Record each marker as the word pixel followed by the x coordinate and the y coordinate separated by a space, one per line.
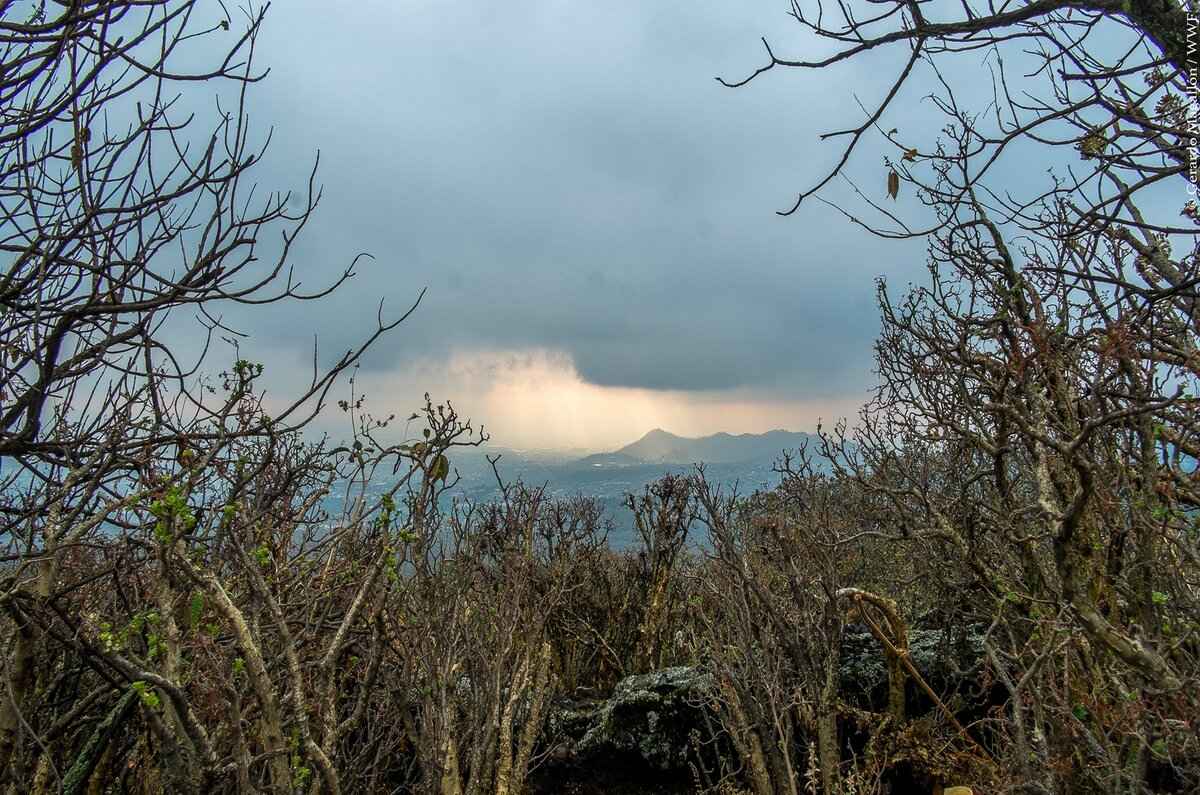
pixel 744 461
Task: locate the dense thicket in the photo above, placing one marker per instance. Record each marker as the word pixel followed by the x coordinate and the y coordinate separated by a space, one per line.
pixel 1035 431
pixel 179 614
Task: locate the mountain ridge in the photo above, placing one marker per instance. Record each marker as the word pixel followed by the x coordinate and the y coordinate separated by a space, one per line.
pixel 658 446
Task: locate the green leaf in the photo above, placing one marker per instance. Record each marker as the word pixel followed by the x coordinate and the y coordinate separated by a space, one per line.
pixel 197 609
pixel 440 469
pixel 146 694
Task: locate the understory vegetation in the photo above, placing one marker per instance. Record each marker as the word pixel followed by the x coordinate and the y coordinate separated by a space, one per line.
pixel 179 614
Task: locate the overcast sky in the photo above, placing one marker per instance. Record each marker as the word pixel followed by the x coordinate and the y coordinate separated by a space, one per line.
pixel 592 214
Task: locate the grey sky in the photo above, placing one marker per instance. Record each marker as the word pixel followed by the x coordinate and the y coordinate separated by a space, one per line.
pixel 570 178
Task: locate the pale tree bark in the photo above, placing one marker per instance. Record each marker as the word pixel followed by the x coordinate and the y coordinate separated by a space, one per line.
pixel 828 751
pixel 894 641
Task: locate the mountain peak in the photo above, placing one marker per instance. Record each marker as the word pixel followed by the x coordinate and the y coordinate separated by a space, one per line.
pixel 660 446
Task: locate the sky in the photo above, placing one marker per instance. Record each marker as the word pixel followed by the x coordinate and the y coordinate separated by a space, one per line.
pixel 591 214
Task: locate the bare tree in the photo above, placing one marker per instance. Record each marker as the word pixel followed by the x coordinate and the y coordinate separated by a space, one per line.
pixel 774 622
pixel 139 490
pixel 1036 418
pixel 663 515
pixel 474 635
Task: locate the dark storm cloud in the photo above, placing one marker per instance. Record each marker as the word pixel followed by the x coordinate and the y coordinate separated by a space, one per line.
pixel 572 178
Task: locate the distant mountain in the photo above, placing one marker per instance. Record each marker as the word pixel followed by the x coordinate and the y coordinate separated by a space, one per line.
pixel 607 477
pixel 661 447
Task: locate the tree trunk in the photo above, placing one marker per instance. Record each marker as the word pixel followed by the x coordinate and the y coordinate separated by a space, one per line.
pixel 828 754
pixel 451 783
pixel 12 700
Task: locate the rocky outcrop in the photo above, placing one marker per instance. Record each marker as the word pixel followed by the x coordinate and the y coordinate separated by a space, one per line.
pixel 639 739
pixel 947 661
pixel 643 736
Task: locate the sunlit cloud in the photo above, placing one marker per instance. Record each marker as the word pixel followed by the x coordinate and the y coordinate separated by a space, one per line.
pixel 536 399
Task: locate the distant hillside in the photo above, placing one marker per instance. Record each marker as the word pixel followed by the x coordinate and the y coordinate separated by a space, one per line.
pixel 661 447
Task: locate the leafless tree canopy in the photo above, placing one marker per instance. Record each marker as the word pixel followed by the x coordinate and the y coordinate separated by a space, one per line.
pixel 1036 423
